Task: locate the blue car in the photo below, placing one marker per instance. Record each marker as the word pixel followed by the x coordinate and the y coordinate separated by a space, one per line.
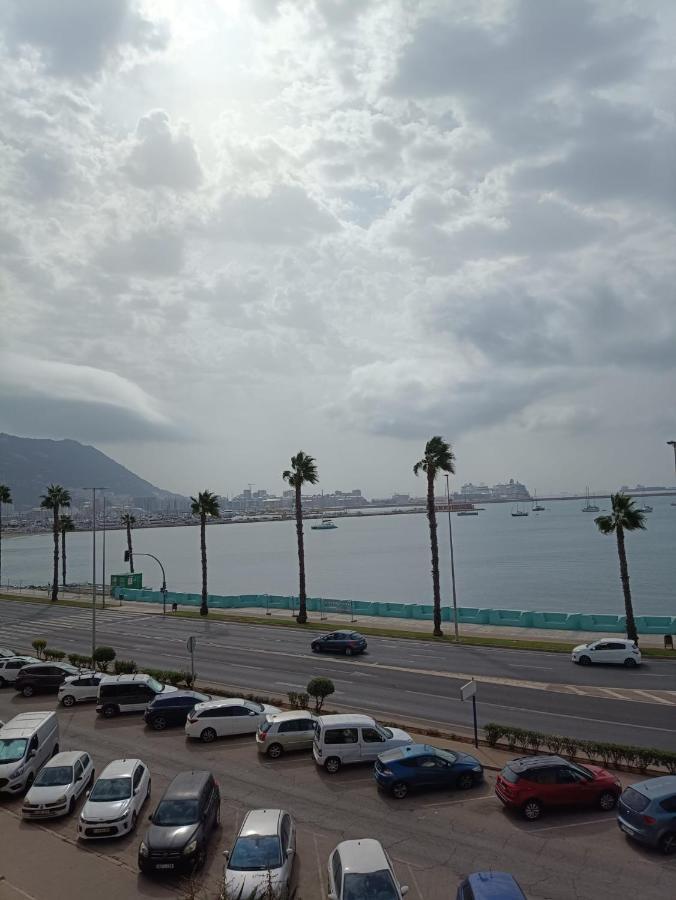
pixel 422 766
pixel 490 886
pixel 647 812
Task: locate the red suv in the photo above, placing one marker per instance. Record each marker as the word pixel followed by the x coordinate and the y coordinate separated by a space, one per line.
pixel 532 783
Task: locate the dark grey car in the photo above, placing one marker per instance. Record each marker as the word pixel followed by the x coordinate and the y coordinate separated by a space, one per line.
pixel 177 839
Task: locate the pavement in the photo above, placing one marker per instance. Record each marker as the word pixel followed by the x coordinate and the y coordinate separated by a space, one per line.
pixel 411 681
pixel 433 839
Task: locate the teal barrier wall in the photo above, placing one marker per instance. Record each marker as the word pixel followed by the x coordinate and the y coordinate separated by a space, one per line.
pixel 519 618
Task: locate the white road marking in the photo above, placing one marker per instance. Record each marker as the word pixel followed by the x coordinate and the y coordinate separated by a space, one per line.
pixel 543 668
pixel 320 869
pixel 655 698
pixel 608 820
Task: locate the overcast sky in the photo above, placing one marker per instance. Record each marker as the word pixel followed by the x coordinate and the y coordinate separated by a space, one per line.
pixel 234 230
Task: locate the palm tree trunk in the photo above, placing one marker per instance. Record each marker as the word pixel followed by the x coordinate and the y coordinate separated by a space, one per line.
pixel 0 544
pixel 63 557
pixel 131 555
pixel 434 545
pixel 55 575
pixel 204 608
pixel 301 618
pixel 632 634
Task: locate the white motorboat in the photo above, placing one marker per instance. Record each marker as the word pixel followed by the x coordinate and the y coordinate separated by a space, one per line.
pixel 324 525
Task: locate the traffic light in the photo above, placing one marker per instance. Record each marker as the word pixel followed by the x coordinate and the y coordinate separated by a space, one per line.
pixel 126 556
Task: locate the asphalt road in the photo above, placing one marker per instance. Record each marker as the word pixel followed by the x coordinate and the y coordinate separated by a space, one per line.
pixel 433 839
pixel 412 681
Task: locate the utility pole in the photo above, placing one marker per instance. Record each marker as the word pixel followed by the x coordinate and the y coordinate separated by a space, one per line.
pixel 94 490
pixel 103 580
pixel 450 541
pixel 673 445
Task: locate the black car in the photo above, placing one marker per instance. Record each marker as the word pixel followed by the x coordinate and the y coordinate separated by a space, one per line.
pixel 176 841
pixel 347 642
pixel 172 709
pixel 43 677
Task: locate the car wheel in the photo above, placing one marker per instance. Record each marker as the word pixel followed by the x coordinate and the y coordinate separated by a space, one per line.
pixel 668 843
pixel 159 723
pixel 109 710
pixel 132 827
pixel 399 790
pixel 585 661
pixel 532 810
pixel 217 820
pixel 348 651
pixel 28 690
pixel 608 800
pixel 630 663
pixel 68 700
pixel 464 781
pixel 200 857
pixel 29 782
pixel 275 751
pixel 332 765
pixel 314 648
pixel 208 735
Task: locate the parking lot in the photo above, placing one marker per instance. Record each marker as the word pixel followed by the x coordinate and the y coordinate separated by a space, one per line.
pixel 433 839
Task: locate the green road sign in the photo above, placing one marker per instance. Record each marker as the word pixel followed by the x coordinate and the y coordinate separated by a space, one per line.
pixel 134 581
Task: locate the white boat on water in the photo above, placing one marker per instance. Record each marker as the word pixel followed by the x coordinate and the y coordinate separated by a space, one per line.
pixel 537 507
pixel 589 506
pixel 324 525
pixel 467 512
pixel 645 508
pixel 519 512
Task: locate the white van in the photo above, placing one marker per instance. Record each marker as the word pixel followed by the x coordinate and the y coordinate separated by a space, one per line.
pixel 26 743
pixel 342 739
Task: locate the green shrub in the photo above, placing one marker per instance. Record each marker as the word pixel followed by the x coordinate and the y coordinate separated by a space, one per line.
pixel 319 689
pixel 39 646
pixel 55 655
pixel 494 732
pixel 190 678
pixel 103 656
pixel 124 667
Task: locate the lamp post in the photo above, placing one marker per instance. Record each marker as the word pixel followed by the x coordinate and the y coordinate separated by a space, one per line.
pixel 450 543
pixel 103 554
pixel 163 589
pixel 673 445
pixel 94 490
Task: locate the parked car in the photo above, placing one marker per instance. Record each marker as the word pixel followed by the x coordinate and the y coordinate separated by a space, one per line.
pixel 341 739
pixel 285 731
pixel 26 743
pixel 617 651
pixel 172 709
pixel 422 766
pixel 490 886
pixel 363 869
pixel 128 693
pixel 44 677
pixel 6 652
pixel 114 803
pixel 532 783
pixel 264 852
pixel 222 718
pixel 10 667
pixel 59 785
pixel 187 814
pixel 79 688
pixel 347 642
pixel 647 812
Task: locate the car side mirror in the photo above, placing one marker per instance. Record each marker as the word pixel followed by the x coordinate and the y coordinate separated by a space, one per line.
pixel 333 896
pixel 31 754
pixel 252 713
pixel 87 793
pixel 290 851
pixel 150 817
pixel 403 890
pixel 226 854
pixel 79 778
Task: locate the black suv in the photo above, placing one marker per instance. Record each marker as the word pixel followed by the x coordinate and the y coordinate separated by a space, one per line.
pixel 189 811
pixel 172 709
pixel 347 642
pixel 40 677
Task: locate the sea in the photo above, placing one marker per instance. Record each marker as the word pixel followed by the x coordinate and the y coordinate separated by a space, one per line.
pixel 552 560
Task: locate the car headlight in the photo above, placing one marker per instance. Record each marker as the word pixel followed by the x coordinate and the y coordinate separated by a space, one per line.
pixel 119 818
pixel 477 769
pixel 190 848
pixel 143 850
pixel 384 771
pixel 61 799
pixel 17 772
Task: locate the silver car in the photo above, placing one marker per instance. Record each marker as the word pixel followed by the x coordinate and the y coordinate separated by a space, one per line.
pixel 59 785
pixel 262 857
pixel 280 733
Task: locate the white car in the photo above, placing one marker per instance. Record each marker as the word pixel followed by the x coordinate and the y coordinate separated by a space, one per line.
pixel 59 785
pixel 5 651
pixel 608 650
pixel 221 718
pixel 77 688
pixel 262 856
pixel 114 803
pixel 10 665
pixel 363 869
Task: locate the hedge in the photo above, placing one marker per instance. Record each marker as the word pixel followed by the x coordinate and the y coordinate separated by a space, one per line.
pixel 597 751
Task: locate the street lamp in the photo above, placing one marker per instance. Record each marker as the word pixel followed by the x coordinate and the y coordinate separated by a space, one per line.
pixel 163 589
pixel 94 490
pixel 450 542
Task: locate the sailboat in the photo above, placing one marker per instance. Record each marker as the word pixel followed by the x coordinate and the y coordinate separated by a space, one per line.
pixel 537 507
pixel 589 506
pixel 519 512
pixel 645 508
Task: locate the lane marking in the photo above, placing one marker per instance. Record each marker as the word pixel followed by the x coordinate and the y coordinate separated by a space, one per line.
pixel 654 697
pixel 608 820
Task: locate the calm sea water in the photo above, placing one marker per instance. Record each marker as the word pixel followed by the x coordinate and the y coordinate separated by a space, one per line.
pixel 554 560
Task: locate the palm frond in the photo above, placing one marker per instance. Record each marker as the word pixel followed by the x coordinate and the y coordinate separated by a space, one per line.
pixel 205 504
pixel 438 457
pixel 605 524
pixel 624 515
pixel 56 496
pixel 303 470
pixel 5 494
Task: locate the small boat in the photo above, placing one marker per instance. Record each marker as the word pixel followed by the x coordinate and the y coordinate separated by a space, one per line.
pixel 537 507
pixel 467 512
pixel 519 512
pixel 589 506
pixel 645 508
pixel 324 525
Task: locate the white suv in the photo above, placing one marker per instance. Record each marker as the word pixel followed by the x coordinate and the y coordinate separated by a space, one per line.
pixel 608 650
pixel 10 666
pixel 114 803
pixel 77 688
pixel 221 718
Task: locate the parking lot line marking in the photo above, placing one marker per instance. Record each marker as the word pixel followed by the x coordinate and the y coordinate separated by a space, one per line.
pixel 413 880
pixel 320 872
pixel 608 819
pixel 446 803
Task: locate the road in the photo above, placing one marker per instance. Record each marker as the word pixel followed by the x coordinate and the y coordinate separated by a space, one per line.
pixel 433 839
pixel 408 680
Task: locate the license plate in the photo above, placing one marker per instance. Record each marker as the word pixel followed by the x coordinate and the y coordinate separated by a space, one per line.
pixel 625 829
pixel 100 830
pixel 40 812
pixel 164 866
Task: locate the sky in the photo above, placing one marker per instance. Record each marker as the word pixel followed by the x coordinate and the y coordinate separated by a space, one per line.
pixel 233 230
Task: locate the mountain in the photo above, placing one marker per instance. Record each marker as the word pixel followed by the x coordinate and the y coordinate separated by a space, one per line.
pixel 28 465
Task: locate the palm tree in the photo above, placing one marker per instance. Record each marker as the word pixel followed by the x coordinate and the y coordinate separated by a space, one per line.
pixel 205 505
pixel 624 517
pixel 303 471
pixel 438 458
pixel 65 524
pixel 5 497
pixel 54 499
pixel 129 521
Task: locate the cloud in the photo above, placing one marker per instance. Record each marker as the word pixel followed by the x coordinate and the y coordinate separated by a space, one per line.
pixel 154 253
pixel 162 155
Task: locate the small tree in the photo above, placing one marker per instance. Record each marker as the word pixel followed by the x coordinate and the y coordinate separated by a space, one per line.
pixel 319 689
pixel 39 646
pixel 102 657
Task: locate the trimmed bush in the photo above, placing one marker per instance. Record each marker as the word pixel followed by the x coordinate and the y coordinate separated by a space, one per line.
pixel 103 656
pixel 494 732
pixel 55 655
pixel 124 667
pixel 298 701
pixel 319 689
pixel 39 646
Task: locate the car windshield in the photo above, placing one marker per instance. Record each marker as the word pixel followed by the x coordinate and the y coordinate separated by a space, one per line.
pixel 385 733
pixel 51 776
pixel 256 852
pixel 634 800
pixel 156 686
pixel 257 706
pixel 176 812
pixel 107 789
pixel 369 886
pixel 582 770
pixel 201 698
pixel 12 749
pixel 68 668
pixel 445 754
